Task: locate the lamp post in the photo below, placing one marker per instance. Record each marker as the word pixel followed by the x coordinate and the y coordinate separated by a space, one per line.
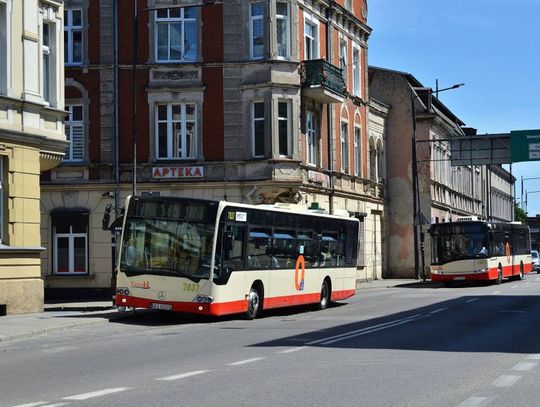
pixel 527 198
pixel 137 13
pixel 418 217
pixel 525 179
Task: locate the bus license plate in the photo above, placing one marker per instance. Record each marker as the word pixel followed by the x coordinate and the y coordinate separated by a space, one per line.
pixel 459 278
pixel 166 307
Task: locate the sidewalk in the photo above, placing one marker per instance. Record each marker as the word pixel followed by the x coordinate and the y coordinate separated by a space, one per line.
pixel 64 315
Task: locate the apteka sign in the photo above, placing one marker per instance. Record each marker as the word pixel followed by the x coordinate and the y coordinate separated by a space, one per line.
pixel 177 172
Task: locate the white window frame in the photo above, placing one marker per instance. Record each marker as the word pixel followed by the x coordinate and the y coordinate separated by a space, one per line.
pixel 254 121
pixel 312 141
pixel 357 150
pixel 69 30
pixel 182 154
pixel 169 21
pixel 50 78
pixel 343 57
pixel 255 19
pixel 283 51
pixel 5 46
pixel 311 42
pixel 72 126
pixel 3 185
pixel 357 70
pixel 288 127
pixel 344 138
pixel 47 62
pixel 71 236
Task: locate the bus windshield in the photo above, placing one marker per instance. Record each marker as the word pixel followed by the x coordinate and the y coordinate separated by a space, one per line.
pixel 167 238
pixel 454 242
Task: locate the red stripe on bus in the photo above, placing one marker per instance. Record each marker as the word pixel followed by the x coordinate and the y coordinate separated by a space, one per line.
pixel 491 274
pixel 232 307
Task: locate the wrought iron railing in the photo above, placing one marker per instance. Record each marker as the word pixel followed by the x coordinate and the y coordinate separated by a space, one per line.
pixel 318 72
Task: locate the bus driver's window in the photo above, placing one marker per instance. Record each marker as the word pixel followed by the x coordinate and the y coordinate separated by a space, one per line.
pixel 233 247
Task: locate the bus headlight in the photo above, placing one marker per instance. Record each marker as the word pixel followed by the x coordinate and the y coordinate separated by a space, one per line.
pixel 203 298
pixel 122 291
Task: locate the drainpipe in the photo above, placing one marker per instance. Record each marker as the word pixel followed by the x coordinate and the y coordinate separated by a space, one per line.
pixel 116 124
pixel 329 112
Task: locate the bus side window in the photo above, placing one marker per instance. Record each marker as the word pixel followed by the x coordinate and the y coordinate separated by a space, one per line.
pixel 233 247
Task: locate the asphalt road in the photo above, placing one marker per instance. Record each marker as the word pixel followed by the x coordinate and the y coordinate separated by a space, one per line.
pixel 469 345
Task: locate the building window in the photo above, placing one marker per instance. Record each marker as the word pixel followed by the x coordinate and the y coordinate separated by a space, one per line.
pixel 283 30
pixel 284 129
pixel 176 35
pixel 75 133
pixel 357 76
pixel 372 161
pixel 256 30
pixel 176 130
pixel 343 58
pixel 312 139
pixel 257 129
pixel 357 151
pixel 349 5
pixel 344 148
pixel 4 47
pixel 311 39
pixel 48 61
pixel 73 40
pixel 70 240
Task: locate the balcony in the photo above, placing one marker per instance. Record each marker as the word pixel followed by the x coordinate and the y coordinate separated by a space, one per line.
pixel 322 81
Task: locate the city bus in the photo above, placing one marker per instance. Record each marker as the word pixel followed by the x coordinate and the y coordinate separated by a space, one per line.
pixel 218 257
pixel 471 249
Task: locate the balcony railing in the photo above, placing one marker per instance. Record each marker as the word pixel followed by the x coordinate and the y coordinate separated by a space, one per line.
pixel 323 81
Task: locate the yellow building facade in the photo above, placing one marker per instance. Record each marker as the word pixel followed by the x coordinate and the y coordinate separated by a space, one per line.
pixel 32 140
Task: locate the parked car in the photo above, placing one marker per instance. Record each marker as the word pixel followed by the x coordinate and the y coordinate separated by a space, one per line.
pixel 535 261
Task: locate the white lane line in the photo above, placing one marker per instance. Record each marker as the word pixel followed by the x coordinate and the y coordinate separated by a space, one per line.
pixel 510 311
pixel 505 381
pixel 534 356
pixel 497 292
pixel 438 310
pixel 472 300
pixel 183 375
pixel 246 361
pixel 514 286
pixel 292 349
pixel 365 331
pixel 37 403
pixel 98 393
pixel 476 401
pixel 55 405
pixel 525 366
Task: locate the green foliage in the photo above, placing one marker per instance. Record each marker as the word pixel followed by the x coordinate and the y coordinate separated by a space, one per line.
pixel 520 214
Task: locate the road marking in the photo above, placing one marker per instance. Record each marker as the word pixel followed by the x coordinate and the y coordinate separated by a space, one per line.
pixel 246 361
pixel 438 310
pixel 514 286
pixel 472 300
pixel 535 356
pixel 98 393
pixel 37 403
pixel 509 311
pixel 475 401
pixel 183 375
pixel 525 366
pixel 55 405
pixel 364 331
pixel 292 349
pixel 497 292
pixel 505 381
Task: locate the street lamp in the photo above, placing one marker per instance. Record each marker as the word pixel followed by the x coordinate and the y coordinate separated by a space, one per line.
pixel 137 13
pixel 527 197
pixel 419 218
pixel 525 179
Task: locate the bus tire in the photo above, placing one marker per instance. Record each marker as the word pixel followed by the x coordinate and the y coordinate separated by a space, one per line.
pixel 324 300
pixel 253 302
pixel 499 275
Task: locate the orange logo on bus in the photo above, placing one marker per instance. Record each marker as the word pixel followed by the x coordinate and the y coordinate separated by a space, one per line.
pixel 507 251
pixel 299 284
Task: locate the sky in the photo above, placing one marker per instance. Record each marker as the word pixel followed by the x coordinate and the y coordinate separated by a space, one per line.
pixel 493 46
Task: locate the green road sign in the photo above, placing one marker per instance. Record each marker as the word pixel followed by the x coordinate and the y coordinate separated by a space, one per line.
pixel 525 145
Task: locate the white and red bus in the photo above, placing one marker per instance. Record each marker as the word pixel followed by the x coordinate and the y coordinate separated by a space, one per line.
pixel 218 257
pixel 479 250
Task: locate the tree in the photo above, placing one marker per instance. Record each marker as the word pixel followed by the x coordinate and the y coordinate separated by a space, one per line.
pixel 520 214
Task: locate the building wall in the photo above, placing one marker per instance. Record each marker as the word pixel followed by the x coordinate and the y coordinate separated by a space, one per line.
pixel 32 140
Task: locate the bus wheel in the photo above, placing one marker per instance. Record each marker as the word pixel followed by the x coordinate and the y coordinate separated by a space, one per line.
pixel 325 296
pixel 253 301
pixel 499 276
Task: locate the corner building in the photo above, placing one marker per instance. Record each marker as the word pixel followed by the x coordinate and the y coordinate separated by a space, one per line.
pixel 248 101
pixel 32 141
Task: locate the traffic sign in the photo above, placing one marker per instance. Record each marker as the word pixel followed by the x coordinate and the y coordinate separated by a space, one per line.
pixel 525 145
